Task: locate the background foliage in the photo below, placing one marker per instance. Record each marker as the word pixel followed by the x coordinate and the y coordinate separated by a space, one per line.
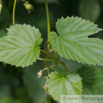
pixel 19 85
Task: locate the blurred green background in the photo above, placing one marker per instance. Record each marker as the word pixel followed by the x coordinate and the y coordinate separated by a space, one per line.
pixel 21 85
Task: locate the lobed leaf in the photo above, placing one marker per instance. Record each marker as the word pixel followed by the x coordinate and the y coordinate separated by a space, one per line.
pixel 72 40
pixel 69 84
pixel 21 46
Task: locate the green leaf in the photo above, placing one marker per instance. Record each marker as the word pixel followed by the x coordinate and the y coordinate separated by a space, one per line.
pixel 91 77
pixel 72 41
pixel 100 89
pixel 69 84
pixel 89 9
pixel 89 90
pixel 21 46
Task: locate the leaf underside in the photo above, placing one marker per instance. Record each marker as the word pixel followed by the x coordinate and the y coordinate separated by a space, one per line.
pixel 64 85
pixel 21 45
pixel 72 40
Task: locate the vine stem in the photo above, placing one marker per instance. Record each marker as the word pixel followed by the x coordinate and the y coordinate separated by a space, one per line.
pixel 14 6
pixel 48 31
pixel 47 53
pixel 48 21
pixel 58 68
pixel 46 59
pixel 57 60
pixel 63 64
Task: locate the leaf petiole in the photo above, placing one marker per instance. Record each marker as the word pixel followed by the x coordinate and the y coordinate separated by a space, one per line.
pixel 46 59
pixel 14 6
pixel 55 59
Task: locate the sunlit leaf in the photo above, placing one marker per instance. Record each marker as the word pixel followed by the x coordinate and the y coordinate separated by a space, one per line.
pixel 21 46
pixel 72 41
pixel 69 84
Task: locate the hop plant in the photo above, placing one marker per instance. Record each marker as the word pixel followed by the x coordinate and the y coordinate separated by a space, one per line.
pixel 21 47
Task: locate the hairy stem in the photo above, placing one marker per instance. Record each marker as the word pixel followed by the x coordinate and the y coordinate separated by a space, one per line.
pixel 48 31
pixel 63 64
pixel 48 21
pixel 47 53
pixel 56 59
pixel 46 45
pixel 58 67
pixel 49 99
pixel 46 59
pixel 14 6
